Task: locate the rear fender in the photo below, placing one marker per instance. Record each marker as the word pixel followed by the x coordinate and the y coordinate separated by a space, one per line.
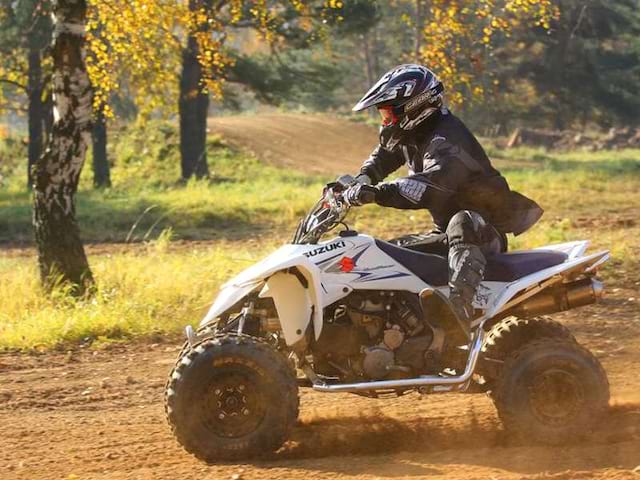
pixel 560 272
pixel 572 249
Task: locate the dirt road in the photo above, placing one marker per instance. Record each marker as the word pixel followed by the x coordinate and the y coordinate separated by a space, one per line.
pixel 314 143
pixel 98 414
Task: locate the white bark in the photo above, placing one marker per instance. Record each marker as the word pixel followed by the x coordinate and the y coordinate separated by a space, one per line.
pixel 58 170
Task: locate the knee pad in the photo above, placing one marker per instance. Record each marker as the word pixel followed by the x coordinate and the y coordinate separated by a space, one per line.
pixel 466 226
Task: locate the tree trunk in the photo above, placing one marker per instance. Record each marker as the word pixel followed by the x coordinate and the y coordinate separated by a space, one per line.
pixel 418 31
pixel 193 106
pixel 61 256
pixel 101 171
pixel 371 78
pixel 368 61
pixel 36 109
pixel 375 50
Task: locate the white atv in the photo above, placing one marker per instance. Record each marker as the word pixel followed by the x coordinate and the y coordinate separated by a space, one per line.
pixel 360 315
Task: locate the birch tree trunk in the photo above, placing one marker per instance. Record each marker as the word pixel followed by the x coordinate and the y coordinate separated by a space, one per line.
pixel 61 256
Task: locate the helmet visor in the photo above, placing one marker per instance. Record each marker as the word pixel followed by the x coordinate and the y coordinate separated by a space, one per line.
pixel 387 115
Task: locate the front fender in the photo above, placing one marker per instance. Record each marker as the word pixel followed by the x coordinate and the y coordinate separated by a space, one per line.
pixel 255 277
pixel 227 298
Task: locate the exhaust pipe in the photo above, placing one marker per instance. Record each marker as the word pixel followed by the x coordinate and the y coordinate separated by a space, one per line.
pixel 564 297
pixel 434 383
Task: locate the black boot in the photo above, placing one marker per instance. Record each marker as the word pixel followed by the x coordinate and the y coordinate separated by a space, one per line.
pixel 466 270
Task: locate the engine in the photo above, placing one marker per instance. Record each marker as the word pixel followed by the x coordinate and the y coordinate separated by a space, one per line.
pixel 375 336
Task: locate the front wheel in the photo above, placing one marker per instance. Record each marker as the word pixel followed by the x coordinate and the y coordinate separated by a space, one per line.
pixel 551 391
pixel 231 397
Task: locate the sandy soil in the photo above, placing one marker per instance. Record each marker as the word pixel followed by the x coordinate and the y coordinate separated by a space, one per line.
pixel 317 142
pixel 98 414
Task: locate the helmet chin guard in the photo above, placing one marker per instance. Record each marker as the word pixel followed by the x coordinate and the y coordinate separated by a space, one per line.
pixel 393 135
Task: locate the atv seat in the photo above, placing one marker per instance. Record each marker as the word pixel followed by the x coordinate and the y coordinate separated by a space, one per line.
pixel 503 267
pixel 430 268
pixel 508 267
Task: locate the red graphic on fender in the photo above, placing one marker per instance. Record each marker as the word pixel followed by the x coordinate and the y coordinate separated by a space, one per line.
pixel 346 264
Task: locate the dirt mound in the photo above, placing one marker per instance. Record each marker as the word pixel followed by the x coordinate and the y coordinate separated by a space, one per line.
pixel 310 142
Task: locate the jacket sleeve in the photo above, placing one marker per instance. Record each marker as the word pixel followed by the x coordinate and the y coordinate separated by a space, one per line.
pixel 380 164
pixel 444 172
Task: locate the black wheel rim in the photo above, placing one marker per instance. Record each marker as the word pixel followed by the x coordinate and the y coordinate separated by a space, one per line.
pixel 556 396
pixel 235 402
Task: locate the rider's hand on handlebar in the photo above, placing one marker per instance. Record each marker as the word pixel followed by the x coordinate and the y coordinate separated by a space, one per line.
pixel 332 187
pixel 358 195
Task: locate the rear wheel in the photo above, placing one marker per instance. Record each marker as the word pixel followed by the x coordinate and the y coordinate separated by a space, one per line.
pixel 231 396
pixel 510 335
pixel 551 391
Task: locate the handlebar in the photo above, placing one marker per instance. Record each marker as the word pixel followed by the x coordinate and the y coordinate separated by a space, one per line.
pixel 325 215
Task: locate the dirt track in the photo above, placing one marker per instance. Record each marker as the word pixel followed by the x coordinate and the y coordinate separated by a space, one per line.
pixel 314 142
pixel 98 414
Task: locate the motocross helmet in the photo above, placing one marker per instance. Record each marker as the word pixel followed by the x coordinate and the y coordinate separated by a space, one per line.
pixel 405 97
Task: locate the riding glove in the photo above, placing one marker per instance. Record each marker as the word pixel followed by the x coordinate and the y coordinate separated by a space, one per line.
pixel 358 195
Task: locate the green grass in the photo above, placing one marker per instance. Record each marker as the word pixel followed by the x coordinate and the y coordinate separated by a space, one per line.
pixel 242 197
pixel 247 209
pixel 153 291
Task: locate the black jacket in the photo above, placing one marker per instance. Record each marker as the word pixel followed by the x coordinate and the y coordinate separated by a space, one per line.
pixel 449 171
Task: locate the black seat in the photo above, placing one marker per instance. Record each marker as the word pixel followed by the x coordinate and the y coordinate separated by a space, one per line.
pixel 430 268
pixel 508 267
pixel 503 267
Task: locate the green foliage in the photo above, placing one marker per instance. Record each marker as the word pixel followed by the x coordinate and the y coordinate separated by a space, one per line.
pixel 586 70
pixel 25 26
pixel 291 78
pixel 583 71
pixel 13 151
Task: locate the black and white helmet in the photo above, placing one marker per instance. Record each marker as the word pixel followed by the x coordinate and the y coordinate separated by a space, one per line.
pixel 405 97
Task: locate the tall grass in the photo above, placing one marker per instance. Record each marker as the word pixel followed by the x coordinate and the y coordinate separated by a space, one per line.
pixel 154 290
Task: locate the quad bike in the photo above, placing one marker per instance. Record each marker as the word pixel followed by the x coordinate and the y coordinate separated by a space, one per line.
pixel 360 315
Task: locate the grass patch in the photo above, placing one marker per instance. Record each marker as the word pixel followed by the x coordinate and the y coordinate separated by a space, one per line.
pixel 153 291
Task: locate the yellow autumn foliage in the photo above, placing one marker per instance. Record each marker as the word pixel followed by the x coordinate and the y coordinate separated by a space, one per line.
pixel 460 34
pixel 137 44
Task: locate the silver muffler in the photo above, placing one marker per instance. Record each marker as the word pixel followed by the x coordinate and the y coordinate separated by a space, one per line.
pixel 434 382
pixel 565 296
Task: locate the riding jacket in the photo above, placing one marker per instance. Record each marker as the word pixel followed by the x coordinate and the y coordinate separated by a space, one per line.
pixel 449 171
